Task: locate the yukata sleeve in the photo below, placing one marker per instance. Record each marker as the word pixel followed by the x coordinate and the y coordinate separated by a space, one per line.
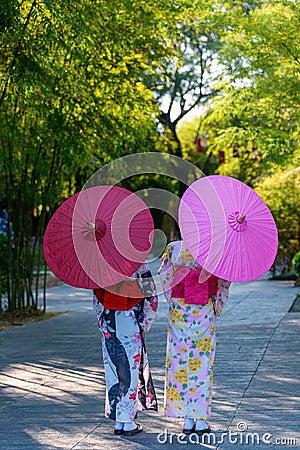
pixel 148 289
pixel 166 272
pixel 221 296
pixel 99 310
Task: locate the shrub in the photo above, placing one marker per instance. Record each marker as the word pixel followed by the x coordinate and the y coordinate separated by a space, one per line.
pixel 296 263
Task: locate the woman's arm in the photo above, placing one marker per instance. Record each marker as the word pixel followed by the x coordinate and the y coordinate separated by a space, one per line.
pixel 98 308
pixel 148 289
pixel 166 272
pixel 221 296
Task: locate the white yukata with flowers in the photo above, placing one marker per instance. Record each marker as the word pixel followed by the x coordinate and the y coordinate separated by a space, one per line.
pixel 191 341
pixel 129 385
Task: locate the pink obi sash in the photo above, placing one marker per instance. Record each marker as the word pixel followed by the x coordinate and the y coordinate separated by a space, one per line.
pixel 193 291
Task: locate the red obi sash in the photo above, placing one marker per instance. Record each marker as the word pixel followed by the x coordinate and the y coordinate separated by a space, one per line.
pixel 193 291
pixel 127 297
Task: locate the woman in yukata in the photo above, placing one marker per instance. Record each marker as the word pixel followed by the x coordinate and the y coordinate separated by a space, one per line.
pixel 191 341
pixel 123 322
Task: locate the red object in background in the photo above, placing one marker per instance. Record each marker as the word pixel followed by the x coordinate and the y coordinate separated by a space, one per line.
pixel 199 148
pixel 221 157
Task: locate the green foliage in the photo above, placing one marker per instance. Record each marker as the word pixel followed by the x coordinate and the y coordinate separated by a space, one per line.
pixel 207 160
pixel 260 87
pixel 8 14
pixel 188 73
pixel 83 83
pixel 296 263
pixel 73 98
pixel 281 192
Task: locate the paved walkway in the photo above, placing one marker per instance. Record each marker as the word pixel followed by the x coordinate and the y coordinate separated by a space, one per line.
pixel 52 380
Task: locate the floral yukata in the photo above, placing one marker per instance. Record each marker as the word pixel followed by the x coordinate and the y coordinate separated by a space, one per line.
pixel 191 341
pixel 129 385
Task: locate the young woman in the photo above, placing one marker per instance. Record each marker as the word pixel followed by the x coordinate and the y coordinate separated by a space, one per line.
pixel 123 322
pixel 191 341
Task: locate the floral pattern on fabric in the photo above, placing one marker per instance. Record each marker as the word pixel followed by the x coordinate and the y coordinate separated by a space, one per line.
pixel 129 384
pixel 191 342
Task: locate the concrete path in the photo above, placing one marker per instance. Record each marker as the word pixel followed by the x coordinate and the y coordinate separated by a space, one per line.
pixel 52 380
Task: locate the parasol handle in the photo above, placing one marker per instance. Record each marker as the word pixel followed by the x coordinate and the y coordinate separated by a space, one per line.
pixel 241 219
pixel 97 230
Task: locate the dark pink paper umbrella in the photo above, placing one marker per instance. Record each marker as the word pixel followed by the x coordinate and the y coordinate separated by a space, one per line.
pixel 228 228
pixel 98 237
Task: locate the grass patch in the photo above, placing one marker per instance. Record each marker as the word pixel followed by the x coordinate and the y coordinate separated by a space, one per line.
pixel 19 318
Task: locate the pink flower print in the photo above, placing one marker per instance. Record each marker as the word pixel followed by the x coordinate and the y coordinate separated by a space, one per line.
pixel 149 397
pixel 137 358
pixel 136 337
pixel 132 396
pixel 107 334
pixel 154 305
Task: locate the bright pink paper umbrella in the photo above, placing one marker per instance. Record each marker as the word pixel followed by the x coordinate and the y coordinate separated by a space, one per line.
pixel 98 237
pixel 228 228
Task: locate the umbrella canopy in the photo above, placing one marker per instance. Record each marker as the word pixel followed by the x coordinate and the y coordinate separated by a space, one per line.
pixel 228 228
pixel 98 237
